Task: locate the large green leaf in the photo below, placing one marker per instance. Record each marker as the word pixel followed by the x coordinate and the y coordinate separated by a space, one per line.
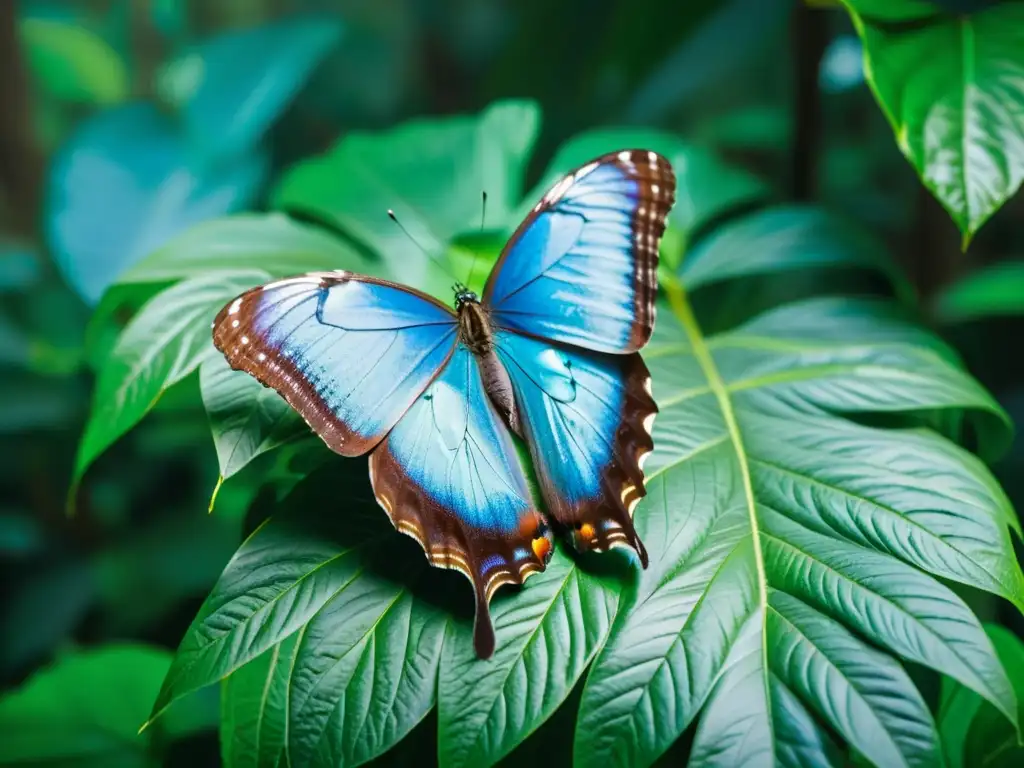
pixel 269 242
pixel 430 172
pixel 124 184
pixel 231 88
pixel 953 89
pixel 86 710
pixel 165 342
pixel 362 669
pixel 782 536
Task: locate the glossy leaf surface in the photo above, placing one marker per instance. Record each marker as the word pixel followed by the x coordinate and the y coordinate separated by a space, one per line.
pixel 952 87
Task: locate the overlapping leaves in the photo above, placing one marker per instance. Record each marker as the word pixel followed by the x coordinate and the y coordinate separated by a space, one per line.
pixel 803 515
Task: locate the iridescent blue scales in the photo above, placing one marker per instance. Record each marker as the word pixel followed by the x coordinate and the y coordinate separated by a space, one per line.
pixel 549 353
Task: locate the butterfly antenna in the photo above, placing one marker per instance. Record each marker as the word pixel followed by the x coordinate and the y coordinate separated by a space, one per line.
pixel 476 254
pixel 428 254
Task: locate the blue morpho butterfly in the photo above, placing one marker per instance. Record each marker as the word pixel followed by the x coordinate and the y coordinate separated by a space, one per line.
pixel 550 353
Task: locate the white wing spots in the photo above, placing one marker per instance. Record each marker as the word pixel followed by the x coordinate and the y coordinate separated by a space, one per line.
pixel 655 190
pixel 632 505
pixel 649 422
pixel 625 156
pixel 626 490
pixel 245 340
pixel 647 387
pixel 234 323
pixel 233 309
pixel 447 558
pixel 652 158
pixel 642 459
pixel 585 170
pixel 313 278
pixel 557 191
pixel 261 357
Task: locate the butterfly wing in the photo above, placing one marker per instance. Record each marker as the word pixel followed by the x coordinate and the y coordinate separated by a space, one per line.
pixel 587 418
pixel 449 476
pixel 582 267
pixel 350 353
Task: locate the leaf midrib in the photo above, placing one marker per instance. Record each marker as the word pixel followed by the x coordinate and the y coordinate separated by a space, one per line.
pixel 681 308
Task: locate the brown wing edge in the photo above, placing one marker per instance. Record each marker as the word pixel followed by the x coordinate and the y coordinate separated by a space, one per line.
pixel 450 543
pixel 234 335
pixel 657 194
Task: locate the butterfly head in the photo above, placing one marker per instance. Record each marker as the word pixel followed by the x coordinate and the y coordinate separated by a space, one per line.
pixel 464 296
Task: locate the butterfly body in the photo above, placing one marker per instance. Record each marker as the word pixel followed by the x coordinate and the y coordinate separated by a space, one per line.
pixel 548 353
pixel 474 324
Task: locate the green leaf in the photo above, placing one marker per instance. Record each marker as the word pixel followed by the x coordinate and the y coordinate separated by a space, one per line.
pixel 70 63
pixel 975 732
pixel 782 535
pixel 365 175
pixel 230 89
pixel 348 589
pixel 254 708
pixel 85 710
pixel 707 187
pixel 152 187
pixel 786 239
pixel 271 242
pixel 953 89
pixel 991 292
pixel 165 342
pixel 247 419
pixel 365 671
pixel 546 637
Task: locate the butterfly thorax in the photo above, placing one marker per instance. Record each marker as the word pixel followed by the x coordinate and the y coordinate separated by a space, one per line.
pixel 474 325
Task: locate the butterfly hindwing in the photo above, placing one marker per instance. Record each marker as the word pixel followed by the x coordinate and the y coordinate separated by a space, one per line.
pixel 349 353
pixel 587 418
pixel 449 476
pixel 582 267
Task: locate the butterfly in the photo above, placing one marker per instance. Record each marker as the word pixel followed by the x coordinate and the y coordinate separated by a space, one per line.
pixel 549 353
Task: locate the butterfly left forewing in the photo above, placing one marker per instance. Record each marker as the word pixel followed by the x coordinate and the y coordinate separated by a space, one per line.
pixel 448 475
